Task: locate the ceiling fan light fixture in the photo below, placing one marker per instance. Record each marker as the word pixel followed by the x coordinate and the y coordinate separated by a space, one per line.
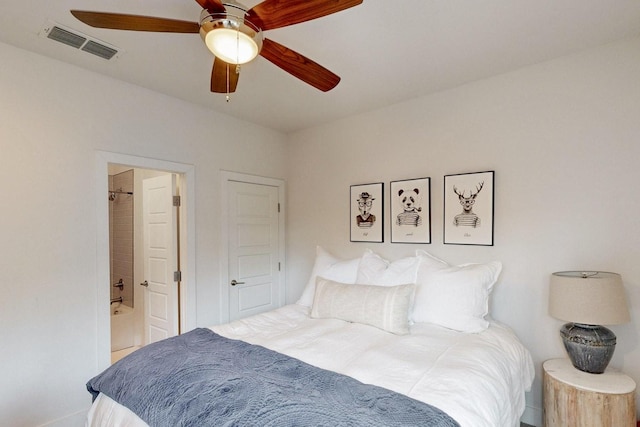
pixel 231 39
pixel 232 46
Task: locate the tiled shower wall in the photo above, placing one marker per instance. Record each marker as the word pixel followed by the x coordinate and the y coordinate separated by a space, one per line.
pixel 121 236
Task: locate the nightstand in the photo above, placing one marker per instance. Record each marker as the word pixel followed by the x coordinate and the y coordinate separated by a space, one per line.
pixel 580 399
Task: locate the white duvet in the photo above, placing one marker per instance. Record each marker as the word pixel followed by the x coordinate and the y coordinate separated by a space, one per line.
pixel 478 379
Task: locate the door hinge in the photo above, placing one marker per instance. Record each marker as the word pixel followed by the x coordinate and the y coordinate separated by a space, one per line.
pixel 278 266
pixel 177 276
pixel 176 200
pixel 278 207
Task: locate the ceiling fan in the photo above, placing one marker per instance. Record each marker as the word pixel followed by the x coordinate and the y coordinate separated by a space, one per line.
pixel 234 34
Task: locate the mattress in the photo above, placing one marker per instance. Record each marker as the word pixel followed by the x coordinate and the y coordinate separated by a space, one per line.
pixel 478 379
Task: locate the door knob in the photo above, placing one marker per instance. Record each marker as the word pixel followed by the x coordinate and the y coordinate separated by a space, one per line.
pixel 235 282
pixel 145 284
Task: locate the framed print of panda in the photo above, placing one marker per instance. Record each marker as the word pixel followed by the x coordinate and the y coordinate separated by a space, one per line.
pixel 468 208
pixel 367 218
pixel 411 211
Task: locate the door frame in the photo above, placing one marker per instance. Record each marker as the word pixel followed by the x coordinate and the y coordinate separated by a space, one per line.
pixel 225 177
pixel 186 243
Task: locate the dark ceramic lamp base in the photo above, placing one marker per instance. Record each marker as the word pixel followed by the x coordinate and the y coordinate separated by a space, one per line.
pixel 590 347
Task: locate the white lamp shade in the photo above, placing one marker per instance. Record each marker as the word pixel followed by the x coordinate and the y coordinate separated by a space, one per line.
pixel 590 298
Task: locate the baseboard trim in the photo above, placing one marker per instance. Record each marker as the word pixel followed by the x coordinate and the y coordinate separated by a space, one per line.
pixel 532 416
pixel 77 419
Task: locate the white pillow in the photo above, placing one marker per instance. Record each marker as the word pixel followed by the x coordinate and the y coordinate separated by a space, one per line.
pixel 430 260
pixel 456 297
pixel 329 267
pixel 384 307
pixel 375 270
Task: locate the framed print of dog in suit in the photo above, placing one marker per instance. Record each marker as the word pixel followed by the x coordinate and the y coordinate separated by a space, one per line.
pixel 367 218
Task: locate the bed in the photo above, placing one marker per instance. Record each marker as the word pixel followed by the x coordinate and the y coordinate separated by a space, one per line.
pixel 396 331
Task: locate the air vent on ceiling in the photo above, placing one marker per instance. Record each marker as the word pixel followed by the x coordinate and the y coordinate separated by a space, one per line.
pixel 99 49
pixel 78 40
pixel 67 37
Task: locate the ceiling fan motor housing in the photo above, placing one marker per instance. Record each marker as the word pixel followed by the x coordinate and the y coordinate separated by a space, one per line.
pixel 230 36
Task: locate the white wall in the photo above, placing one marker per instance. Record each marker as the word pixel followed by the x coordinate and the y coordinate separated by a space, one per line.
pixel 564 140
pixel 53 119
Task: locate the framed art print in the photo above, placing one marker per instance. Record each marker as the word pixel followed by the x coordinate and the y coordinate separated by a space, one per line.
pixel 468 208
pixel 367 203
pixel 411 211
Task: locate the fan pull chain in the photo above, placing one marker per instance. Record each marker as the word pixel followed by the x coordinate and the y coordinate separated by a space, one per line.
pixel 228 97
pixel 237 70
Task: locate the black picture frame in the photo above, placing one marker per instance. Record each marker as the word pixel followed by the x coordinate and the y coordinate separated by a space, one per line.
pixel 410 208
pixel 366 203
pixel 469 208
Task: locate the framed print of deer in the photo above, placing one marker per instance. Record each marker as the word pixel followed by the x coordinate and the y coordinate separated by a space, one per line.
pixel 468 208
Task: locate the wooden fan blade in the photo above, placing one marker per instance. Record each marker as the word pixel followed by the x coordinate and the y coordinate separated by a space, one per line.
pixel 299 66
pixel 119 21
pixel 224 77
pixel 272 14
pixel 212 5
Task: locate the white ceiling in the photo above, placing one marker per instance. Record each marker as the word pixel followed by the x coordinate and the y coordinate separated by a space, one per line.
pixel 385 51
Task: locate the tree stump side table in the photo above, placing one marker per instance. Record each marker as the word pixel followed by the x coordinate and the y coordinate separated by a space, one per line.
pixel 576 398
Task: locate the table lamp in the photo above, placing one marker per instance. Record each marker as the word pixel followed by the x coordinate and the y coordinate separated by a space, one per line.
pixel 587 300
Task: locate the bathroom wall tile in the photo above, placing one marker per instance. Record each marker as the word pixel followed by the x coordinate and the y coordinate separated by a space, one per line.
pixel 121 236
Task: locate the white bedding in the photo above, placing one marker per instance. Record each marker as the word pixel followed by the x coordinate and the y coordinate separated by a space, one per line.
pixel 478 379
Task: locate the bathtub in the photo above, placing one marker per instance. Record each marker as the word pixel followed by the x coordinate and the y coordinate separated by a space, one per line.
pixel 122 331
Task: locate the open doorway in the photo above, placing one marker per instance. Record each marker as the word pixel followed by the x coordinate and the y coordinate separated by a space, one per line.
pixel 141 299
pixel 144 211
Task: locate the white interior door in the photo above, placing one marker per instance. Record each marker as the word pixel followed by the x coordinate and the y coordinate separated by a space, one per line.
pixel 160 258
pixel 254 264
